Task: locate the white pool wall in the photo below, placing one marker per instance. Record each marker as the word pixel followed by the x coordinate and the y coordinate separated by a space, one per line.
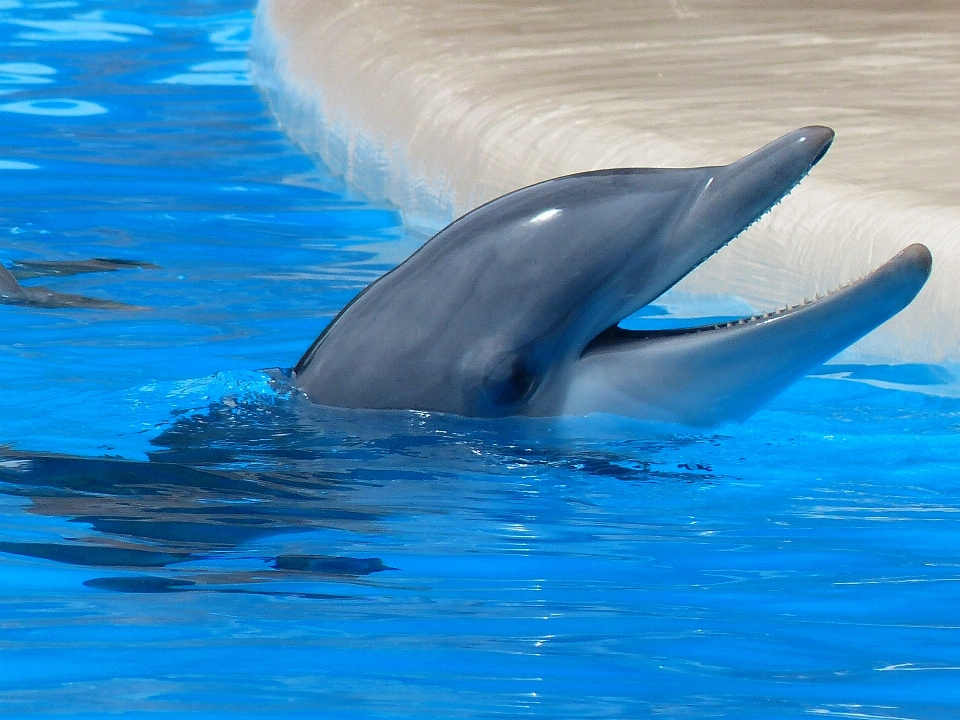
pixel 440 106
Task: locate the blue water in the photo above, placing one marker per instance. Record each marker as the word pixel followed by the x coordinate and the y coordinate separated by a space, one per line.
pixel 180 533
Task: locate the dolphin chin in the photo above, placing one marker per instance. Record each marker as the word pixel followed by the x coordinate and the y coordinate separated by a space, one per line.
pixel 514 308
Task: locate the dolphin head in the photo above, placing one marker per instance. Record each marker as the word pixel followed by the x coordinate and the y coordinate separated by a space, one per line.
pixel 504 311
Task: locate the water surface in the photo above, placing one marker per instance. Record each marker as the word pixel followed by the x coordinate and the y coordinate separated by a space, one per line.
pixel 182 533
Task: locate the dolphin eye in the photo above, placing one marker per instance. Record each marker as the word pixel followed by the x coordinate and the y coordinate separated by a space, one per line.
pixel 510 384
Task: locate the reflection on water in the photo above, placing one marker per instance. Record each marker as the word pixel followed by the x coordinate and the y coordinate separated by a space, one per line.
pixel 238 473
pixel 181 531
pixel 772 569
pixel 915 374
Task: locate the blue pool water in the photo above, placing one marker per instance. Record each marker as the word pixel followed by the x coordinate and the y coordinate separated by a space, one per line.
pixel 179 533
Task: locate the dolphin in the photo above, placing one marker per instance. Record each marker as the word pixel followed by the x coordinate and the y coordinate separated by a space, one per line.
pixel 23 269
pixel 13 293
pixel 513 309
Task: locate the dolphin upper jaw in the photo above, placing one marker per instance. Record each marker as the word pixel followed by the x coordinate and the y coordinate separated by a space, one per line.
pixel 719 204
pixel 736 196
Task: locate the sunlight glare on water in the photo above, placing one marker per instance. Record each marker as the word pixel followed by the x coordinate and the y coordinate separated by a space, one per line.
pixel 182 533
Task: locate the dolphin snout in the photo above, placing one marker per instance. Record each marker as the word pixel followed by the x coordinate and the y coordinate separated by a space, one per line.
pixel 794 153
pixel 894 285
pixel 743 191
pixel 735 196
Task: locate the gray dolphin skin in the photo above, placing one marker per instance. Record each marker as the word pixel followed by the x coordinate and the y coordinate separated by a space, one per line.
pixel 513 308
pixel 13 293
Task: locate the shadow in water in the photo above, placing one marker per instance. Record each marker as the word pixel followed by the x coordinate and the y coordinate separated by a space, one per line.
pixel 166 513
pixel 26 269
pixel 241 473
pixel 12 293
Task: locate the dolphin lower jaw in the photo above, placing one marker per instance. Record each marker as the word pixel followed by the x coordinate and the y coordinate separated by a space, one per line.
pixel 709 374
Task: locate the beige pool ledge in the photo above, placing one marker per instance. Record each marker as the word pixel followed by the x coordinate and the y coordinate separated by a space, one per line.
pixel 440 105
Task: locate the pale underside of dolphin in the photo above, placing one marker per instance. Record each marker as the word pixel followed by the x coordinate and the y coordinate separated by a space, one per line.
pixel 514 308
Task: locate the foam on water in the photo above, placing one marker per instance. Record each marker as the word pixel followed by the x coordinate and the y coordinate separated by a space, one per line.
pixel 180 532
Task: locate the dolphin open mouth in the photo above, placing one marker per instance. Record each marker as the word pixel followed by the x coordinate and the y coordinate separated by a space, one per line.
pixel 709 373
pixel 903 275
pixel 728 370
